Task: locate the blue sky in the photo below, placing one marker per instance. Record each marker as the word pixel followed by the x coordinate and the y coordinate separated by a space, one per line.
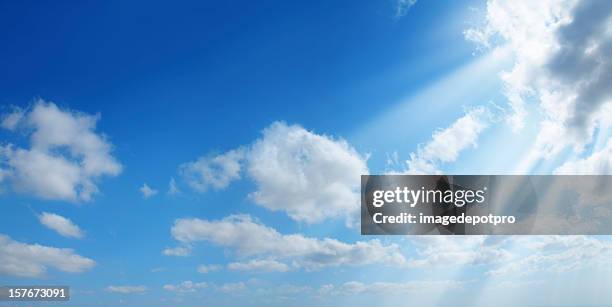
pixel 264 114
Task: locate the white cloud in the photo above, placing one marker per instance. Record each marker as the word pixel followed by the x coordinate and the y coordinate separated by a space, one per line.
pixel 599 163
pixel 32 260
pixel 147 191
pixel 437 251
pixel 11 120
pixel 311 177
pixel 403 6
pixel 61 225
pixel 186 287
pixel 562 62
pixel 249 238
pixel 65 156
pixel 555 254
pixel 232 288
pixel 446 144
pixel 179 251
pixel 259 266
pixel 204 269
pixel 389 288
pixel 214 171
pixel 173 188
pixel 127 289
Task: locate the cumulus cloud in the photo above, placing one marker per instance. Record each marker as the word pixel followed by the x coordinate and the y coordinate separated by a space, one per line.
pixel 61 225
pixel 147 191
pixel 446 144
pixel 213 171
pixel 599 163
pixel 247 237
pixel 204 269
pixel 309 176
pixel 186 287
pixel 127 289
pixel 65 156
pixel 259 266
pixel 179 251
pixel 32 260
pixel 562 63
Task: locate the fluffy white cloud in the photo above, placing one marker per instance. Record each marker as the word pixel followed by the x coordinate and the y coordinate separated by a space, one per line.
pixel 127 289
pixel 311 177
pixel 204 269
pixel 147 191
pixel 446 144
pixel 214 171
pixel 599 163
pixel 563 62
pixel 259 266
pixel 249 238
pixel 62 225
pixel 179 251
pixel 186 287
pixel 65 155
pixel 32 260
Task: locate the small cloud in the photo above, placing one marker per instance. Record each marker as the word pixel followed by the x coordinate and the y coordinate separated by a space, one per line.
pixel 147 191
pixel 172 188
pixel 403 6
pixel 259 266
pixel 61 225
pixel 158 269
pixel 186 287
pixel 208 268
pixel 179 251
pixel 127 289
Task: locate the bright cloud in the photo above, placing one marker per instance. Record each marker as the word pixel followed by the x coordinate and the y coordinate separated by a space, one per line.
pixel 186 287
pixel 250 238
pixel 446 144
pixel 436 251
pixel 599 163
pixel 65 157
pixel 562 54
pixel 61 225
pixel 390 288
pixel 147 191
pixel 556 254
pixel 32 260
pixel 179 251
pixel 259 266
pixel 214 171
pixel 309 176
pixel 127 289
pixel 204 269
